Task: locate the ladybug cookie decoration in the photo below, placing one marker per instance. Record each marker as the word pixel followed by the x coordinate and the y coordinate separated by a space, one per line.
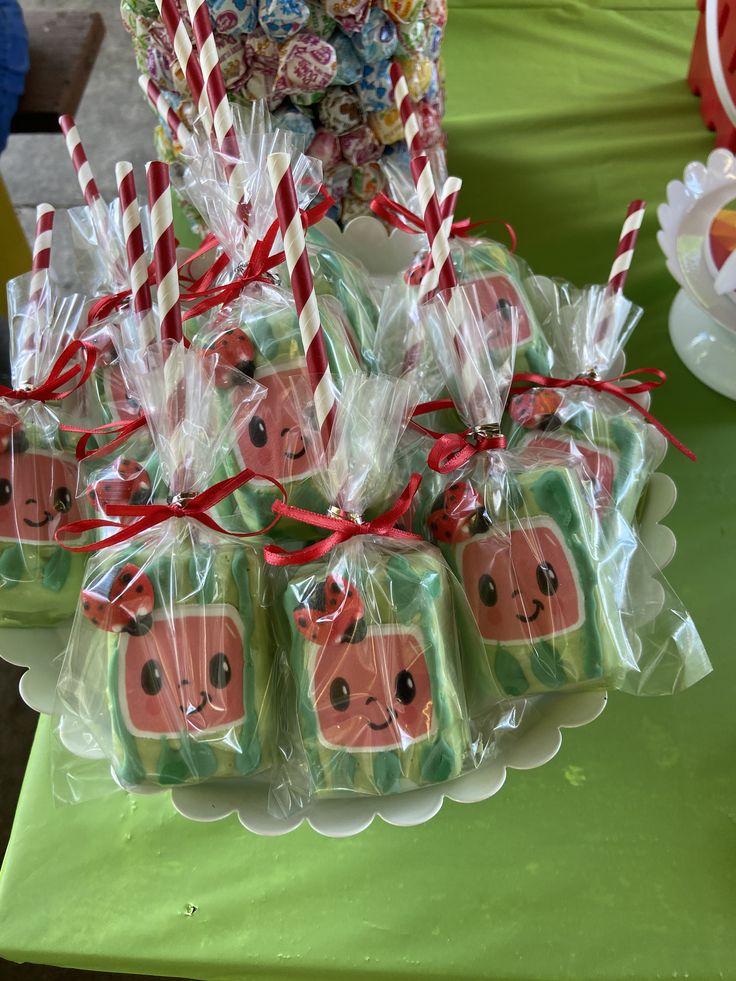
pixel 235 357
pixel 537 409
pixel 332 613
pixel 126 482
pixel 121 601
pixel 11 433
pixel 457 514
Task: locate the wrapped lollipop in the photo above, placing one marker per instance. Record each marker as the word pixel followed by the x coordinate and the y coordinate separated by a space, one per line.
pixel 561 604
pixel 583 409
pixel 377 632
pixel 39 581
pixel 168 666
pixel 261 333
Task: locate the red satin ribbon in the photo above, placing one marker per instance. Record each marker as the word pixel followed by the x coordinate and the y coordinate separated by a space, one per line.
pixel 60 375
pixel 402 218
pixel 526 380
pixel 121 432
pixel 453 450
pixel 150 515
pixel 342 529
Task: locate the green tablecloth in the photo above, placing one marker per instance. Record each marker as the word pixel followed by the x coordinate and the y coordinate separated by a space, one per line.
pixel 617 859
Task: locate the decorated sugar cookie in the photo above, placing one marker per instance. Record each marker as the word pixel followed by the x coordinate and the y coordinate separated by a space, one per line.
pixel 380 639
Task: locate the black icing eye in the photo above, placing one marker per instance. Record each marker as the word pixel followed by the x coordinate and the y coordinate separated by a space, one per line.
pixel 487 591
pixel 406 690
pixel 504 308
pixel 220 671
pixel 547 579
pixel 151 680
pixel 6 490
pixel 340 694
pixel 257 432
pixel 62 500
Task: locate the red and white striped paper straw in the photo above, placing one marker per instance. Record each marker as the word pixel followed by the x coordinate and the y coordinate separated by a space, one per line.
pixel 214 86
pixel 621 265
pixel 439 271
pixel 421 172
pixel 87 182
pixel 135 249
pixel 164 110
pixel 406 109
pixel 626 246
pixel 41 252
pixel 164 251
pixel 184 52
pixel 302 286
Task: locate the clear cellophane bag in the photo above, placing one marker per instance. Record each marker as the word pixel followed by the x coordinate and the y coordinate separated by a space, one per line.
pixel 379 645
pixel 168 670
pixel 564 600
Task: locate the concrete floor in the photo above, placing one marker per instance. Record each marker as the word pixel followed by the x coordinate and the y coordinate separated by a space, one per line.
pixel 115 124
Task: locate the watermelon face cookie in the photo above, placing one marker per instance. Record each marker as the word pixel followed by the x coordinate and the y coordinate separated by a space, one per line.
pixel 373 650
pixel 263 339
pixel 39 580
pixel 498 278
pixel 619 450
pixel 541 588
pixel 188 652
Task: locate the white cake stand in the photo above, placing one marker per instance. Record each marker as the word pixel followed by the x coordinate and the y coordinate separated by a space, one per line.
pixel 704 346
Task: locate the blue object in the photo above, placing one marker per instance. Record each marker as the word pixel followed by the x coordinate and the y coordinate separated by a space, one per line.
pixel 14 63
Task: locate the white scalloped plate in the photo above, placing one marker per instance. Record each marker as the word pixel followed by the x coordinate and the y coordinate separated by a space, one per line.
pixel 536 741
pixel 532 746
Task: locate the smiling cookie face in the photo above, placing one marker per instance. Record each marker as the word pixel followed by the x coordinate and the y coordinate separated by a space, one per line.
pixel 272 442
pixel 498 298
pixel 183 675
pixel 522 586
pixel 36 496
pixel 374 694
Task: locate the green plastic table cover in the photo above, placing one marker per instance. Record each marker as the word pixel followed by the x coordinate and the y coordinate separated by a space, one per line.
pixel 618 858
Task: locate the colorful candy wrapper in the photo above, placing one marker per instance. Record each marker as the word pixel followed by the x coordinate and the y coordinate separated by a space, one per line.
pixel 375 630
pixel 587 329
pixel 297 53
pixel 561 603
pixel 167 672
pixel 39 580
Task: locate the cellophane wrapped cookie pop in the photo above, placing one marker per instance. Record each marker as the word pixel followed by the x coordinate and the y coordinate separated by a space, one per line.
pixel 257 331
pixel 588 329
pixel 562 601
pixel 323 67
pixel 376 630
pixel 519 528
pixel 39 580
pixel 168 667
pixel 499 276
pixel 205 184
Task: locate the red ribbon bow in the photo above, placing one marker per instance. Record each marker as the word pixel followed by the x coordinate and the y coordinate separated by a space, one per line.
pixel 525 380
pixel 121 432
pixel 405 220
pixel 61 373
pixel 343 529
pixel 150 515
pixel 453 450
